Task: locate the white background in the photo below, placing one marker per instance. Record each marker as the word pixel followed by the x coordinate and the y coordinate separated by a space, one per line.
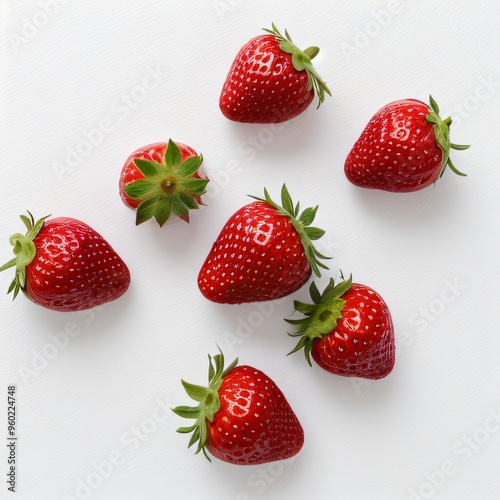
pixel 100 392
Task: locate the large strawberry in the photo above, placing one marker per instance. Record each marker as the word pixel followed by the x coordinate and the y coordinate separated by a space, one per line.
pixel 160 179
pixel 404 147
pixel 348 330
pixel 65 265
pixel 242 416
pixel 271 80
pixel 263 252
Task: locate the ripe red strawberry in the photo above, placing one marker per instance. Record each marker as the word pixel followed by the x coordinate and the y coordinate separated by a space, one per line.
pixel 263 252
pixel 348 330
pixel 64 265
pixel 162 178
pixel 242 417
pixel 271 80
pixel 405 147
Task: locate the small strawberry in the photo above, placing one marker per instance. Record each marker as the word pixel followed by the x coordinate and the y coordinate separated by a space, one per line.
pixel 162 178
pixel 348 330
pixel 263 252
pixel 405 147
pixel 242 417
pixel 64 265
pixel 271 80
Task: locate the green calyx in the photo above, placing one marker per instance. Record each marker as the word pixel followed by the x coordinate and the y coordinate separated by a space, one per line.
pixel 442 133
pixel 208 399
pixel 25 250
pixel 168 187
pixel 320 317
pixel 302 224
pixel 301 61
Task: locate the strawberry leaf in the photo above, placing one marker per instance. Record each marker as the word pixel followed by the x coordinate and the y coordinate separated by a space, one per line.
pixel 459 147
pixel 308 215
pixel 320 317
pixel 24 250
pixel 315 293
pixel 301 224
pixel 195 185
pixel 146 210
pixel 286 200
pixel 162 213
pixel 311 52
pixel 27 221
pixel 304 308
pixel 11 263
pixel 148 168
pixel 442 134
pixel 178 206
pixel 190 166
pixel 186 430
pixel 314 233
pixel 188 201
pixel 187 412
pixel 172 154
pixel 170 187
pixel 299 60
pixel 196 392
pixel 288 47
pixel 140 189
pixel 208 402
pixel 454 169
pixel 302 61
pixel 297 211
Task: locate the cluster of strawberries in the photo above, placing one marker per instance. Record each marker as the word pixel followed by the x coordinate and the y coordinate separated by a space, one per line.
pixel 264 251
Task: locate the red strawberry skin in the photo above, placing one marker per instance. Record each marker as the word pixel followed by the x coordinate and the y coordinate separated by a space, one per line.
pixel 362 343
pixel 131 173
pixel 257 256
pixel 242 417
pixel 397 151
pixel 255 424
pixel 263 86
pixel 74 267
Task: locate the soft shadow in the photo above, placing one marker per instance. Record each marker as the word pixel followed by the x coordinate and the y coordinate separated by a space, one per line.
pixel 268 141
pixel 431 205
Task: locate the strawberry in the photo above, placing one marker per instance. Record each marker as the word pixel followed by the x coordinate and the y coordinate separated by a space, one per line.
pixel 263 252
pixel 242 417
pixel 271 80
pixel 348 330
pixel 162 178
pixel 64 265
pixel 405 147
